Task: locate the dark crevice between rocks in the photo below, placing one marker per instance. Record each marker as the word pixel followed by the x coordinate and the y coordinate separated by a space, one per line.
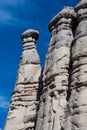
pixel 62 128
pixel 75 24
pixel 69 78
pixel 39 93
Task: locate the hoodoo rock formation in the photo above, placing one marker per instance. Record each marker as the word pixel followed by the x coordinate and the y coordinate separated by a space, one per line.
pixel 23 107
pixel 55 98
pixel 77 119
pixel 56 72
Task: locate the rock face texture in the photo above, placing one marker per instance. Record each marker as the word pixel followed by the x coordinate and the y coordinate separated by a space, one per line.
pixel 56 72
pixel 22 110
pixel 78 99
pixel 55 98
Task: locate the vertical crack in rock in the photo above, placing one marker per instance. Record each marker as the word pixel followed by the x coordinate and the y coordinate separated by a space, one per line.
pixel 53 101
pixel 39 93
pixel 78 100
pixel 23 106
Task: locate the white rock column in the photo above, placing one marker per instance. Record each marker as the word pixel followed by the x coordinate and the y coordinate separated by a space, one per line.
pixel 78 99
pixel 24 101
pixel 56 72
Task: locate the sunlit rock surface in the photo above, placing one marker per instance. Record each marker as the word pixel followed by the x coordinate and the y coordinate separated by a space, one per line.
pixel 23 107
pixel 56 73
pixel 78 98
pixel 53 98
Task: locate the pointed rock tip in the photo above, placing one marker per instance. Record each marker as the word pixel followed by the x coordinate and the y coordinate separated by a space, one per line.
pixel 30 33
pixel 67 12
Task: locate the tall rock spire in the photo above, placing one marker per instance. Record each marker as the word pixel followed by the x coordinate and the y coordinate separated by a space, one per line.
pixel 56 72
pixel 78 99
pixel 23 106
pixel 63 103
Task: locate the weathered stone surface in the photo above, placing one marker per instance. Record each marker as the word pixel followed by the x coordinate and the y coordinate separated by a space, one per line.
pixel 56 72
pixel 64 15
pixel 23 107
pixel 78 99
pixel 30 33
pixel 61 88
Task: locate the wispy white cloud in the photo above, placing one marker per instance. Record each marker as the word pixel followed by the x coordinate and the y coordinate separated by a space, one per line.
pixel 5 16
pixel 16 12
pixel 3 102
pixel 10 2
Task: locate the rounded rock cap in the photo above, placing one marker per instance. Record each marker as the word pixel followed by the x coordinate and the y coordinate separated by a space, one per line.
pixel 30 33
pixel 81 4
pixel 67 12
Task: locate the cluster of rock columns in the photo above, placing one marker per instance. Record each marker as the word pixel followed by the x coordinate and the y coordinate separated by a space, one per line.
pixel 55 98
pixel 78 98
pixel 23 106
pixel 56 72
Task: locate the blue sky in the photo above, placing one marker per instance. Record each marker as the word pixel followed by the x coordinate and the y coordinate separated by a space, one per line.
pixel 15 17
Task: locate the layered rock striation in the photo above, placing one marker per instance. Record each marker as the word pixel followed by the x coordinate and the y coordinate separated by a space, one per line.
pixel 54 98
pixel 23 107
pixel 56 72
pixel 78 99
